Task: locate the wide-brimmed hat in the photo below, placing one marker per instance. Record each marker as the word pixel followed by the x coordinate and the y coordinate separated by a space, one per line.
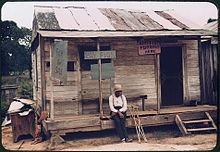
pixel 117 87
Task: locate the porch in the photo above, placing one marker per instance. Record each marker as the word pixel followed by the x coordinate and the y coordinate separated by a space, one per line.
pixel 68 123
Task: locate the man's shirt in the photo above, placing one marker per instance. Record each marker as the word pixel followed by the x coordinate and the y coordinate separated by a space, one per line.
pixel 118 102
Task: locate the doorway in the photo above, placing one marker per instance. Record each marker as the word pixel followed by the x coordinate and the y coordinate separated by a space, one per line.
pixel 171 76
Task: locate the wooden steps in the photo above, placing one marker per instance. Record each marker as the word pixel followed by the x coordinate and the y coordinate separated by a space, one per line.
pixel 201 129
pixel 196 121
pixel 189 126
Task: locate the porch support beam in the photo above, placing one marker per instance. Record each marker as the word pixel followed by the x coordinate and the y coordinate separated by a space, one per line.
pixel 100 81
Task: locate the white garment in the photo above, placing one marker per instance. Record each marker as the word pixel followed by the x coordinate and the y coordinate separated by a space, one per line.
pixel 120 101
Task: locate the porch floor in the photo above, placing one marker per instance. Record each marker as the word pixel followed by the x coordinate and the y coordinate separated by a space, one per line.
pixel 93 122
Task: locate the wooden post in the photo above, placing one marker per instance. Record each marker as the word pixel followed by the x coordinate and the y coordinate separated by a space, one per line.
pixel 51 85
pixel 157 80
pixel 100 82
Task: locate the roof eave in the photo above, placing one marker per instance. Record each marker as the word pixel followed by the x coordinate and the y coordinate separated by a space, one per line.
pixel 92 34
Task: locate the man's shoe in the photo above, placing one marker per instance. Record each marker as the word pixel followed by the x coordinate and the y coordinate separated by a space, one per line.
pixel 128 140
pixel 123 140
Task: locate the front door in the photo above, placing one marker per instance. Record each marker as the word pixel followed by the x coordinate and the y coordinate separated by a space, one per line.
pixel 171 76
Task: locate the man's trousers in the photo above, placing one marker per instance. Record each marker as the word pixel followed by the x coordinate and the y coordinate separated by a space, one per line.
pixel 120 125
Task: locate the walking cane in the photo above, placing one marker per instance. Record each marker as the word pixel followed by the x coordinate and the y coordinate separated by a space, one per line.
pixel 136 126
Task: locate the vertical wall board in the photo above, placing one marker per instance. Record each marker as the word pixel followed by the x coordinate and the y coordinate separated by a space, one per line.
pixel 39 93
pixel 33 59
pixel 191 67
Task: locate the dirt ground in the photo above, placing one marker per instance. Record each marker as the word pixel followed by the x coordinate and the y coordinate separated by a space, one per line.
pixel 159 138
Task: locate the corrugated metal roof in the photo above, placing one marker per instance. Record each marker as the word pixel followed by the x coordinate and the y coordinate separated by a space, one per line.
pixel 213 26
pixel 93 19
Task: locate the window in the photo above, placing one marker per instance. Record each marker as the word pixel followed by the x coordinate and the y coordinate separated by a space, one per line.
pixel 70 66
pixel 85 65
pixel 47 67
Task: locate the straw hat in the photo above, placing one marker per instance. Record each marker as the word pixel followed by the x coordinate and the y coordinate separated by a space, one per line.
pixel 118 87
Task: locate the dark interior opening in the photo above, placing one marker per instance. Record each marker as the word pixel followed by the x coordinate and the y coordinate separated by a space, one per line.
pixel 171 76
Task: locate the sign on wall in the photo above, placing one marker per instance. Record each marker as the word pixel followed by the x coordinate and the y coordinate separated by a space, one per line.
pixel 100 54
pixel 107 69
pixel 146 47
pixel 59 61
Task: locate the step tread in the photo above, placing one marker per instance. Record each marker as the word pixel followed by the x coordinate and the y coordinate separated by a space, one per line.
pixel 201 129
pixel 196 121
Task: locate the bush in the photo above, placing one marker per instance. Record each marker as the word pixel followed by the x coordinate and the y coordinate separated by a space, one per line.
pixel 25 90
pixel 4 109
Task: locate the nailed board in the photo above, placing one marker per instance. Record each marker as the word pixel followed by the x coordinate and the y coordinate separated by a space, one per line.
pixel 59 61
pixel 107 69
pixel 100 54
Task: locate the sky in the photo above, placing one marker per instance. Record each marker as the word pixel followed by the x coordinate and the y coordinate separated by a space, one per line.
pixel 197 12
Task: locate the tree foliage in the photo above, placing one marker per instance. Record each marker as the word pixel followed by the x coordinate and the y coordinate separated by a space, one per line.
pixel 15 53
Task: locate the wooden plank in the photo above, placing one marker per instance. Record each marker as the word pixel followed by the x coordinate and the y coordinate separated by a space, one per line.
pixel 69 124
pixel 82 129
pixel 71 76
pixel 132 61
pixel 100 82
pixel 210 118
pixel 51 86
pixel 60 118
pixel 196 121
pixel 64 88
pixel 64 93
pixel 158 82
pixel 180 125
pixel 201 129
pixel 102 34
pixel 188 109
pixel 139 69
pixel 185 76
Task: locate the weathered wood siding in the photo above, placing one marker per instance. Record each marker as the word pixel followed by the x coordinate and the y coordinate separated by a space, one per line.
pixel 209 72
pixel 66 97
pixel 136 74
pixel 36 75
pixel 191 70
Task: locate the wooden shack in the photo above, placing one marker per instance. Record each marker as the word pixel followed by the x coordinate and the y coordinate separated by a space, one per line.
pixel 157 55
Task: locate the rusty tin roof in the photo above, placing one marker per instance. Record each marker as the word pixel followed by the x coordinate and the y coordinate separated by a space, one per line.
pixel 108 19
pixel 213 26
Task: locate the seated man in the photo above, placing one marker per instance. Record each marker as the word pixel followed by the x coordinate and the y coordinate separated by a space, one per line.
pixel 118 106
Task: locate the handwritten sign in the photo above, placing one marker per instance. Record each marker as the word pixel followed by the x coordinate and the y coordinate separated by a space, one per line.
pixel 100 54
pixel 59 61
pixel 148 47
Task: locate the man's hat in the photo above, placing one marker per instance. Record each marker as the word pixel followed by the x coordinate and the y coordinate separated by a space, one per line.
pixel 118 87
